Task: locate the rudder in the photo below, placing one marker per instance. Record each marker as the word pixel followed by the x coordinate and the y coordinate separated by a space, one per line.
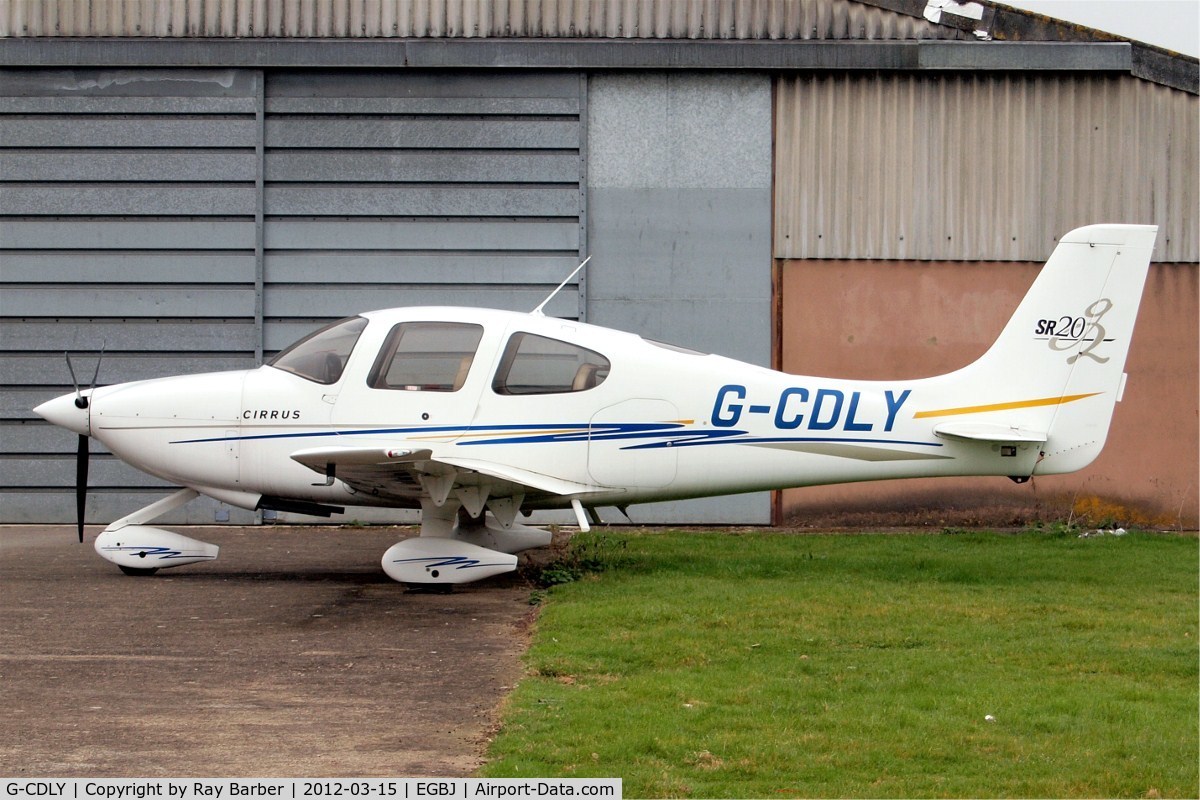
pixel 1097 345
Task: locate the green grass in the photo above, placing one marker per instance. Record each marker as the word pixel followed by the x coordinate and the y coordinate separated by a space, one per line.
pixel 768 665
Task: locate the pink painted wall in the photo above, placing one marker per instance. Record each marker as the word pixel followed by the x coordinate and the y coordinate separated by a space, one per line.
pixel 905 319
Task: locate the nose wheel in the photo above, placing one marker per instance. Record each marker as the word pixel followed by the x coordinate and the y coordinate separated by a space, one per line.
pixel 141 550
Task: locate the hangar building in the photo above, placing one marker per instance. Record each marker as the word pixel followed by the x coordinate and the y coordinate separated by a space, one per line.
pixel 856 188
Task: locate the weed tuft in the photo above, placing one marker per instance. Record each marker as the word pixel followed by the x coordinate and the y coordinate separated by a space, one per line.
pixel 1058 528
pixel 586 554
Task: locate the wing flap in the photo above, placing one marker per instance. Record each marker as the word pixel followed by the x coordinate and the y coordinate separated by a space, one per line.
pixel 317 458
pixel 534 480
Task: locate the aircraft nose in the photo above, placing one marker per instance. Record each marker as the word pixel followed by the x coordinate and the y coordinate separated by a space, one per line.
pixel 63 412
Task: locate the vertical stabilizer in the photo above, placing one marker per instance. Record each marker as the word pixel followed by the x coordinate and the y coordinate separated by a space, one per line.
pixel 1057 367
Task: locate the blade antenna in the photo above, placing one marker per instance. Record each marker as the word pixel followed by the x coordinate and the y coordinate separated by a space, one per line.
pixel 538 311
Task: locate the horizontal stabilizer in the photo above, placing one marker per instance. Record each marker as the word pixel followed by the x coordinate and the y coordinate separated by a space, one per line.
pixel 987 432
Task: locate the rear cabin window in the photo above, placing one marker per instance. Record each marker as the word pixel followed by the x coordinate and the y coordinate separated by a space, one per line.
pixel 426 357
pixel 321 356
pixel 538 365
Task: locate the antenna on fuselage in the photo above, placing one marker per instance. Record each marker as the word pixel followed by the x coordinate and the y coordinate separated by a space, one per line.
pixel 557 289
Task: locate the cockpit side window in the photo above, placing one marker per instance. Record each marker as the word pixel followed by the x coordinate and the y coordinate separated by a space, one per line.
pixel 321 356
pixel 537 365
pixel 426 357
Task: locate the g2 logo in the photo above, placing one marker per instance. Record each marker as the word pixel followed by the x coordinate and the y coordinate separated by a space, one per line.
pixel 1068 332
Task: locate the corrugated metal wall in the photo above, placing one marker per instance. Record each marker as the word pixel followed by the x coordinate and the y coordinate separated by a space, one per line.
pixel 651 19
pixel 414 189
pixel 135 217
pixel 979 167
pixel 128 205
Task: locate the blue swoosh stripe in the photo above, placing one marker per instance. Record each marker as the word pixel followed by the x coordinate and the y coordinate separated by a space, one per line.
pixel 664 434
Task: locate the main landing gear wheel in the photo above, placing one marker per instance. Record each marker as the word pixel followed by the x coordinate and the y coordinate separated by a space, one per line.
pixel 138 571
pixel 428 588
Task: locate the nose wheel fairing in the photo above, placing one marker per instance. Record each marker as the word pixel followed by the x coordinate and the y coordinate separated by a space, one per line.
pixel 140 548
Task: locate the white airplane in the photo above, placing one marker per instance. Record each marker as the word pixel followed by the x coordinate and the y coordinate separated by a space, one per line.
pixel 479 416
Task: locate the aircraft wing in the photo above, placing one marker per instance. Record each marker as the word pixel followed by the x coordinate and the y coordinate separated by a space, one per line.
pixel 405 473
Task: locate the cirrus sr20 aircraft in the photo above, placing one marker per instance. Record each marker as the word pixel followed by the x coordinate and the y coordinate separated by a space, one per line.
pixel 479 416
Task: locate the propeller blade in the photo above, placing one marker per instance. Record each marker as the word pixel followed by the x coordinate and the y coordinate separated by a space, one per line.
pixel 99 358
pixel 80 402
pixel 81 476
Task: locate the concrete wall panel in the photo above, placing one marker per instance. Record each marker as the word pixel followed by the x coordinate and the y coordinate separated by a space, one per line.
pixel 423 166
pixel 464 200
pixel 684 265
pixel 298 267
pixel 408 235
pixel 106 504
pixel 126 131
pixel 31 370
pixel 491 134
pixel 341 301
pixel 117 301
pixel 72 199
pixel 104 472
pixel 128 335
pixel 45 166
pixel 91 234
pixel 679 212
pixel 117 268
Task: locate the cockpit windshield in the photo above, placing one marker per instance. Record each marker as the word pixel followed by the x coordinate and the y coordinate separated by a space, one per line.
pixel 321 356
